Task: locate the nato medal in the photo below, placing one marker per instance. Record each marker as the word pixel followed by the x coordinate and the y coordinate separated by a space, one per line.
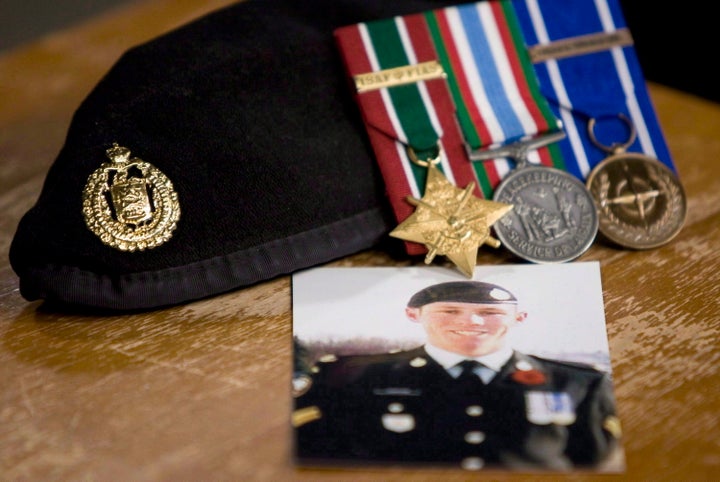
pixel 129 203
pixel 641 203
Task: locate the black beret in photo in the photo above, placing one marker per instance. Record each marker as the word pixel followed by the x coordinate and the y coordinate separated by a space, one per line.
pixel 233 142
pixel 462 292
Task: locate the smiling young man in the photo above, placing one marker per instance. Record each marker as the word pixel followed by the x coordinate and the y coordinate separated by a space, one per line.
pixel 469 321
pixel 464 398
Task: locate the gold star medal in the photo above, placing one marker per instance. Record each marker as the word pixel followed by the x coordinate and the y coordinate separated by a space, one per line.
pixel 450 221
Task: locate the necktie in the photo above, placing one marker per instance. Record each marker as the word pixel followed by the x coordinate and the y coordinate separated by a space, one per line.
pixel 467 374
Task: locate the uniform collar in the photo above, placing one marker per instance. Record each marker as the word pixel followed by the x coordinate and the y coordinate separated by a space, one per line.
pixel 447 359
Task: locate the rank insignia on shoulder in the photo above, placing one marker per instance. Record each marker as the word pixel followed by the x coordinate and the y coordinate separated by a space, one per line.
pixel 612 425
pixel 129 203
pixel 305 415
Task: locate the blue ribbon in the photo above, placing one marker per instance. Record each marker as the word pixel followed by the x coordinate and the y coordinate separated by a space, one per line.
pixel 593 82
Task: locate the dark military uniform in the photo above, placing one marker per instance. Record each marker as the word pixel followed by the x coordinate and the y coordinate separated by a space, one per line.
pixel 405 407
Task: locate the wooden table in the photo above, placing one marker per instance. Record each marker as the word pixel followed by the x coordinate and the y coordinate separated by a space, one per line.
pixel 201 391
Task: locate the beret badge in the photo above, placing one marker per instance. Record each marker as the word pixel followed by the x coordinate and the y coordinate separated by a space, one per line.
pixel 129 203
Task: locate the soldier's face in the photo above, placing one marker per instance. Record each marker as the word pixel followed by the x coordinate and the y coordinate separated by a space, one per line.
pixel 470 329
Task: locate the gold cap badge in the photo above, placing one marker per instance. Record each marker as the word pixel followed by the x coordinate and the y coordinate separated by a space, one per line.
pixel 129 203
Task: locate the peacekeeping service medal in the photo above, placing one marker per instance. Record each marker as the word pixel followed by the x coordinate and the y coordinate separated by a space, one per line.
pixel 129 203
pixel 553 218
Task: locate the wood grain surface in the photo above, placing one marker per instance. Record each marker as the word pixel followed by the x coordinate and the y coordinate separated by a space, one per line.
pixel 201 391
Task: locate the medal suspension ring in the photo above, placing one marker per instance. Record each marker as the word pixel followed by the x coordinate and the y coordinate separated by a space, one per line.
pixel 641 203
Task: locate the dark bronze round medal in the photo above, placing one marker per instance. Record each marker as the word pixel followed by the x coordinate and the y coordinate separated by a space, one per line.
pixel 641 203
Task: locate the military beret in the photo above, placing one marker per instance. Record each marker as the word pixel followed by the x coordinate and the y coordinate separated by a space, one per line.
pixel 462 292
pixel 240 156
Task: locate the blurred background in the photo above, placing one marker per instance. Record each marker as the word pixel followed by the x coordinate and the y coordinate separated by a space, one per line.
pixel 677 46
pixel 23 21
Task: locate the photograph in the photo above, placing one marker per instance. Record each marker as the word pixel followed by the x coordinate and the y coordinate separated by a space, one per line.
pixel 507 370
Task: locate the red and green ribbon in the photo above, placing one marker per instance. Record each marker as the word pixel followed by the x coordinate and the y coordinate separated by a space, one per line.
pixel 490 97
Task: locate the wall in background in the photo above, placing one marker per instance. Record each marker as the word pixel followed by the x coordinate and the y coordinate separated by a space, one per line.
pixel 677 46
pixel 22 21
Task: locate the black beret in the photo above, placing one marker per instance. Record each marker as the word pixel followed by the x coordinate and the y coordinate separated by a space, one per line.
pixel 248 114
pixel 462 292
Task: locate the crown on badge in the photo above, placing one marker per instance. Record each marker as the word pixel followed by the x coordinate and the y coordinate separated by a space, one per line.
pixel 118 153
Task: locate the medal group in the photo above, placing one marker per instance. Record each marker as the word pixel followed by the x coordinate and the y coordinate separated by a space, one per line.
pixel 506 116
pixel 498 122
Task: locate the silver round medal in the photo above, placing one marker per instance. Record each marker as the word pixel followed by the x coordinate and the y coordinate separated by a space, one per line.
pixel 553 220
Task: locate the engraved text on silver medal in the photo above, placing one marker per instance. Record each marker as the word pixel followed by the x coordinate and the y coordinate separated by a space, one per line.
pixel 553 220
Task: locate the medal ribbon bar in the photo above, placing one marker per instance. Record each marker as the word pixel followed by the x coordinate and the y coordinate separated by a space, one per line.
pixel 493 83
pixel 417 115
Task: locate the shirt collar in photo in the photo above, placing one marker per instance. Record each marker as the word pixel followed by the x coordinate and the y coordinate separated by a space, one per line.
pixel 447 359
